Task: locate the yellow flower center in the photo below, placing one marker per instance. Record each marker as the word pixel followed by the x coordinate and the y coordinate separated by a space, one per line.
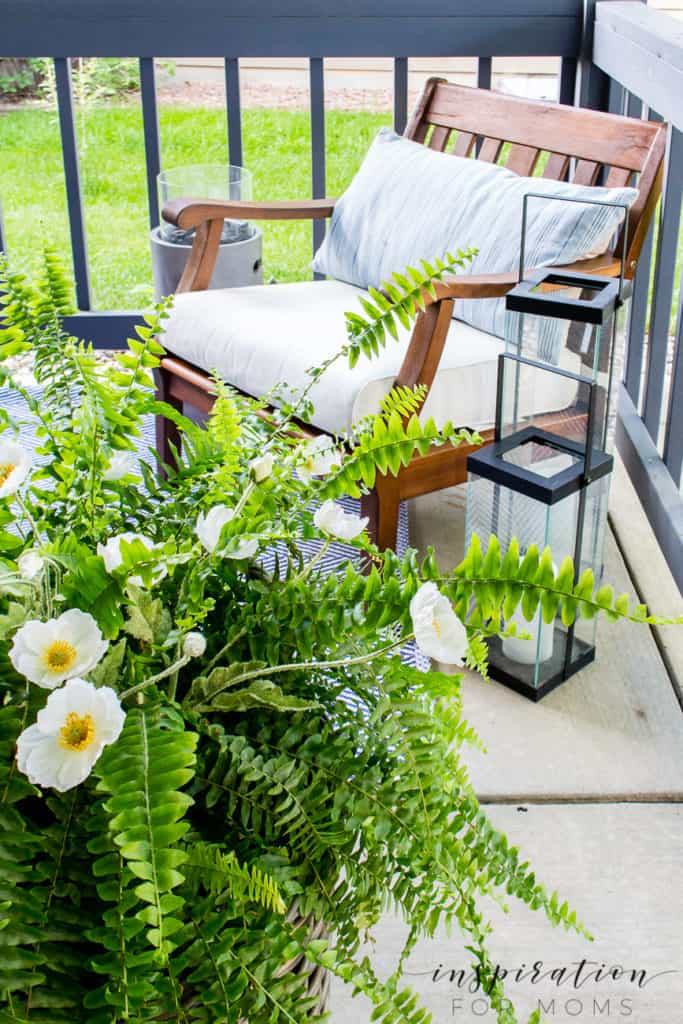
pixel 60 656
pixel 6 470
pixel 436 627
pixel 78 732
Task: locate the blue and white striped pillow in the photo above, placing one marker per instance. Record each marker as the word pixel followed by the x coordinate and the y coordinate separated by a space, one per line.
pixel 409 202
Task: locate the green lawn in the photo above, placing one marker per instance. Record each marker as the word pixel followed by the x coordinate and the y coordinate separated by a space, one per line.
pixel 276 149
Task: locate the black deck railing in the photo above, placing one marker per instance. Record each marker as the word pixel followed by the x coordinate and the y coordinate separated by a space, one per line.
pixel 618 56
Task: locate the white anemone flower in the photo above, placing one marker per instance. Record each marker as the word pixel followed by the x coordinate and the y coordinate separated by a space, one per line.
pixel 30 565
pixel 334 521
pixel 120 465
pixel 210 526
pixel 320 456
pixel 47 653
pixel 112 556
pixel 15 463
pixel 262 467
pixel 438 631
pixel 77 723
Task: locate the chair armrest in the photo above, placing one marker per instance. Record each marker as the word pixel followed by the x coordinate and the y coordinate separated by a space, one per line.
pixel 493 286
pixel 190 213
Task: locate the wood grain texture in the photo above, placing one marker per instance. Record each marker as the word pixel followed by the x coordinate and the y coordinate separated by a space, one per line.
pixel 202 259
pixel 585 134
pixel 464 144
pixel 522 159
pixel 438 140
pixel 188 213
pixel 556 167
pixel 490 150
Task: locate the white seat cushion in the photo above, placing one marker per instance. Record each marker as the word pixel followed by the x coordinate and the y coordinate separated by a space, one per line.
pixel 265 335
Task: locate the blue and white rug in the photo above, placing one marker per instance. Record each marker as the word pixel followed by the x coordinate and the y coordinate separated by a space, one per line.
pixel 335 557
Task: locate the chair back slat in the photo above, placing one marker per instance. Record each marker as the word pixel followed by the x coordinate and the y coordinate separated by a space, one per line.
pixel 522 159
pixel 439 138
pixel 556 167
pixel 490 150
pixel 618 177
pixel 586 173
pixel 464 144
pixel 577 139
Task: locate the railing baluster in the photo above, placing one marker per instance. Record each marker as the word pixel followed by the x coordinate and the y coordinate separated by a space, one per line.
pixel 634 105
pixel 673 443
pixel 232 97
pixel 660 319
pixel 72 175
pixel 568 80
pixel 400 94
pixel 316 77
pixel 617 97
pixel 484 67
pixel 638 319
pixel 150 122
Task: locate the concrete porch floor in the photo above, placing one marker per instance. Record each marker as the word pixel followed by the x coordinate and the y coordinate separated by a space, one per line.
pixel 589 783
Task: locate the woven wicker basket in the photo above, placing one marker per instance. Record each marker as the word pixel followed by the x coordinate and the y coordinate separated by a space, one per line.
pixel 318 978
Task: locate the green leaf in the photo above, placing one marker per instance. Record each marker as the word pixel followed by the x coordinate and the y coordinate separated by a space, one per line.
pixel 261 693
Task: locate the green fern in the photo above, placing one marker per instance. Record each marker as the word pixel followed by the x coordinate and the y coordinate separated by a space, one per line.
pixel 219 873
pixel 398 304
pixel 403 400
pixel 386 448
pixel 224 430
pixel 501 582
pixel 143 773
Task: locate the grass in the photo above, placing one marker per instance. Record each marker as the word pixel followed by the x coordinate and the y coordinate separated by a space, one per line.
pixel 276 149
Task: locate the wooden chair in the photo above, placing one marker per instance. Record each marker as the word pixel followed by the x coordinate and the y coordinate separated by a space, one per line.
pixel 581 145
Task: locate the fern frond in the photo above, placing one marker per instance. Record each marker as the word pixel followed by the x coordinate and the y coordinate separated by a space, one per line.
pixel 403 401
pixel 502 582
pixel 221 873
pixel 397 304
pixel 385 448
pixel 143 772
pixel 224 430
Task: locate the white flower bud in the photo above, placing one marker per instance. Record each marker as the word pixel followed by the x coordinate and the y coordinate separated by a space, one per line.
pixel 194 645
pixel 120 465
pixel 30 565
pixel 262 467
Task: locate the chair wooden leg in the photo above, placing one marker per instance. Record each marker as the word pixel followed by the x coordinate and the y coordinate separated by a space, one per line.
pixel 168 436
pixel 381 505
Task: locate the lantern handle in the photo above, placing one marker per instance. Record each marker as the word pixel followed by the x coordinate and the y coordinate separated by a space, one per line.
pixel 585 202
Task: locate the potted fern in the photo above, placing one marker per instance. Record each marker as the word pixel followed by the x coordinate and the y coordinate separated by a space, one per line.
pixel 216 769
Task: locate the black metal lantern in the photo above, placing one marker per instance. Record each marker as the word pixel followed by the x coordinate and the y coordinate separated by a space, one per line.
pixel 545 478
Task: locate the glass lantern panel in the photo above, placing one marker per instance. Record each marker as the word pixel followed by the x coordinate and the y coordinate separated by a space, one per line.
pixel 616 373
pixel 591 557
pixel 535 395
pixel 496 509
pixel 595 352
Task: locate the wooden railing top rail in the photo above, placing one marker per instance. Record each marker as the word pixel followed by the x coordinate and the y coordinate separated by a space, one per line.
pixel 642 48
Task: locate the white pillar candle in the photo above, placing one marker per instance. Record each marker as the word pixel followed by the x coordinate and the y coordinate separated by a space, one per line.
pixel 526 651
